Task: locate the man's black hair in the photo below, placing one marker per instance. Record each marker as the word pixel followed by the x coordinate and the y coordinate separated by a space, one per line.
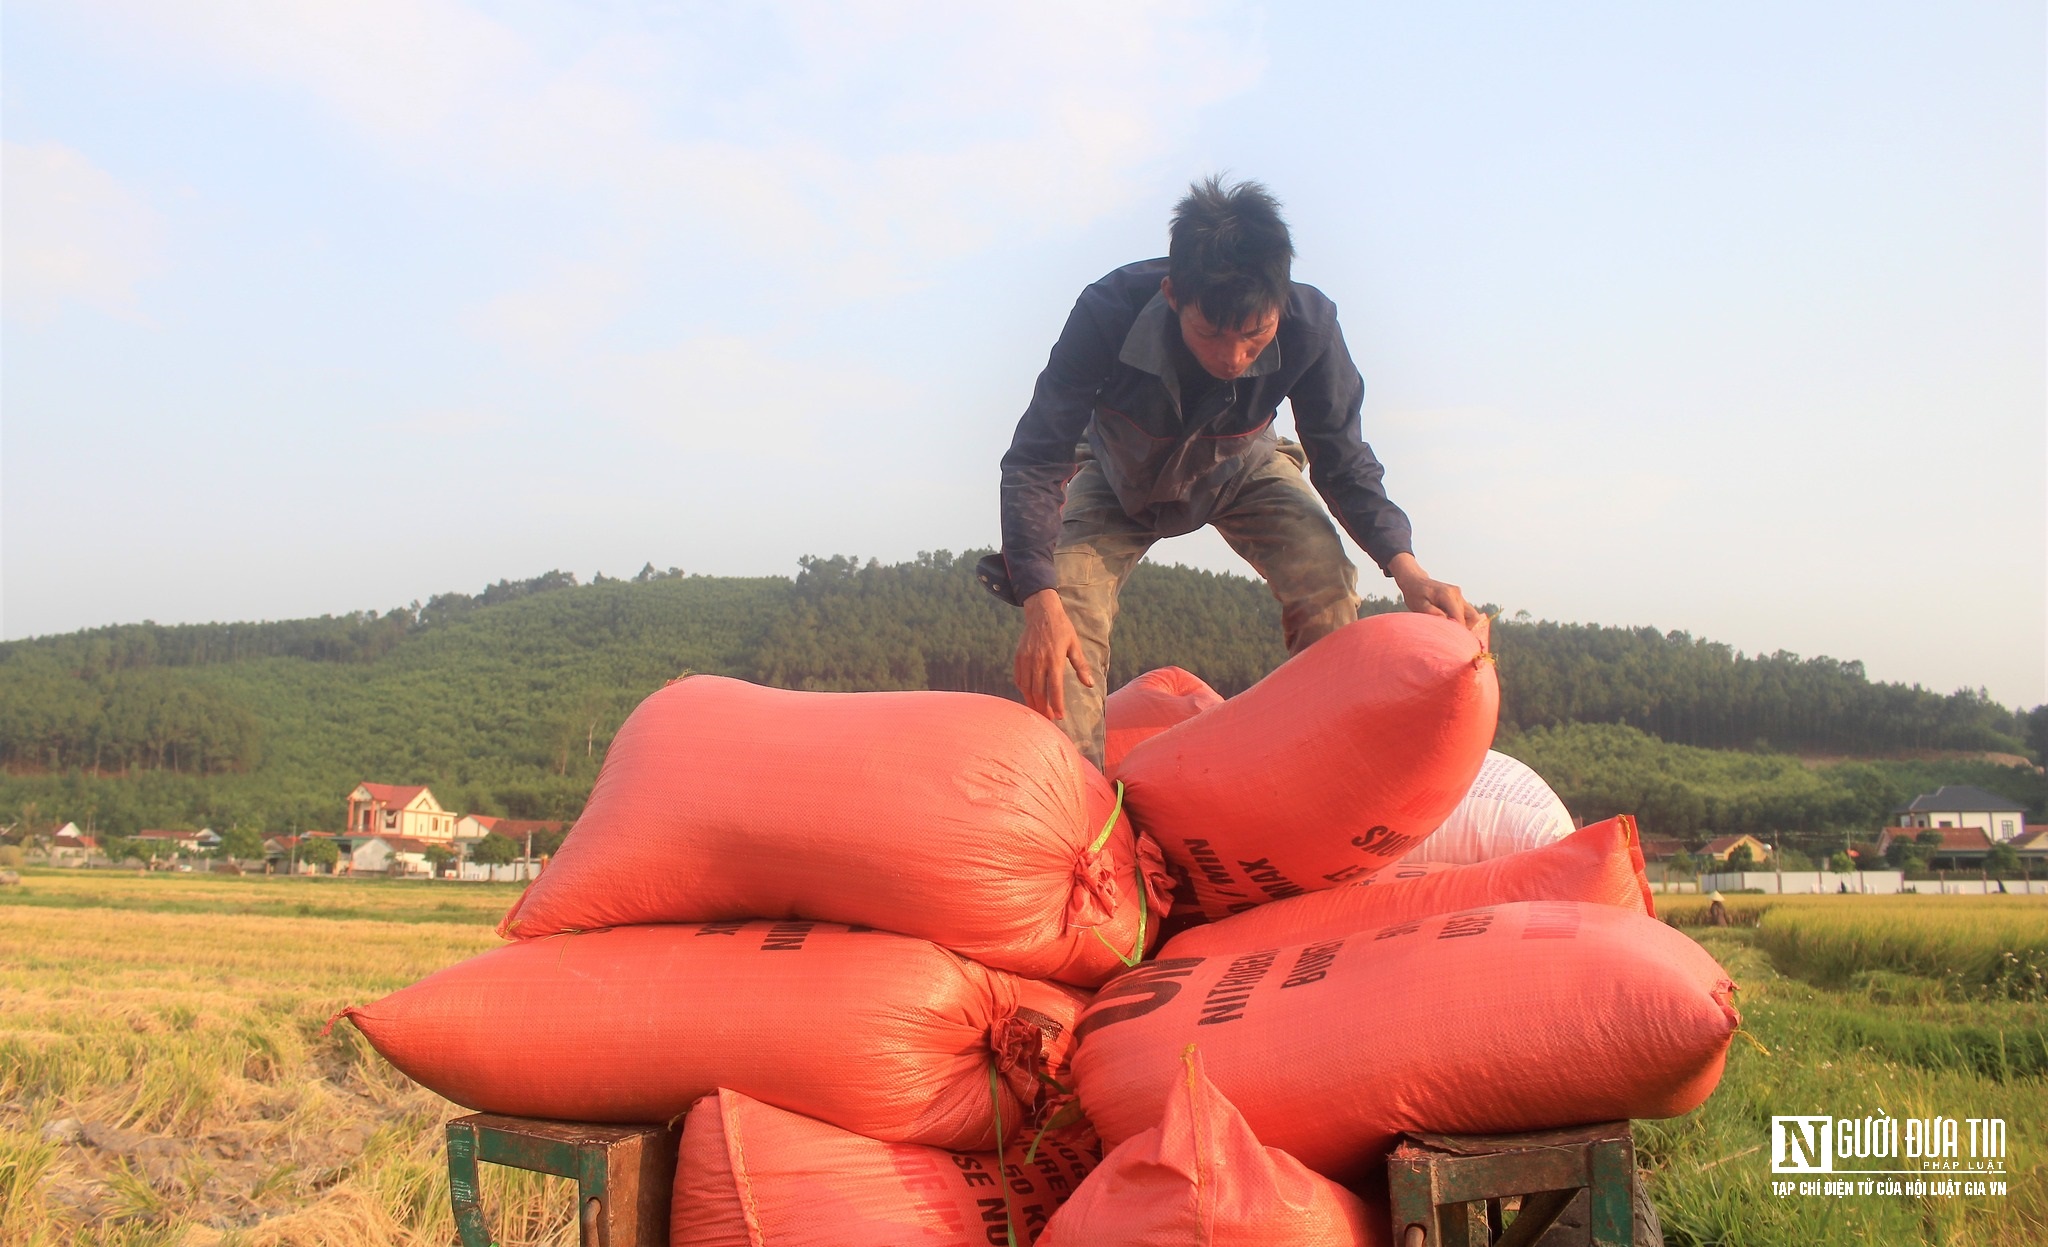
pixel 1231 254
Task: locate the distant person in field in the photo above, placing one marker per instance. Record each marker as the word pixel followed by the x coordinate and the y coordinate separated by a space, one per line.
pixel 1154 417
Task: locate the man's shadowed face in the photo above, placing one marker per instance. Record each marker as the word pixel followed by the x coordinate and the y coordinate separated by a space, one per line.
pixel 1223 351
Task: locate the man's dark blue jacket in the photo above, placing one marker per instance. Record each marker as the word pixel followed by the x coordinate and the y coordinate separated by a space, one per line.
pixel 1113 377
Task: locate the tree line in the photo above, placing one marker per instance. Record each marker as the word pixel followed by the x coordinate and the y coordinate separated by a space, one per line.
pixel 145 719
pixel 1604 769
pixel 927 624
pixel 504 700
pixel 1698 692
pixel 357 637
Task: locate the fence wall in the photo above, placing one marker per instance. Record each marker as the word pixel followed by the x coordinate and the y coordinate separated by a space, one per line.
pixel 512 872
pixel 1874 882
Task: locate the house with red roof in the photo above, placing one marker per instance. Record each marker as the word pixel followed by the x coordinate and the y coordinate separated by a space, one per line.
pixel 476 826
pixel 406 811
pixel 1960 848
pixel 517 829
pixel 1661 848
pixel 169 842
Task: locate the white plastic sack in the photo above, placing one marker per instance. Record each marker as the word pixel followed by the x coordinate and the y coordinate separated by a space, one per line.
pixel 1508 809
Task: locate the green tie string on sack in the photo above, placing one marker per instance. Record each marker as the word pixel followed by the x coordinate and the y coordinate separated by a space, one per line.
pixel 1137 952
pixel 995 1099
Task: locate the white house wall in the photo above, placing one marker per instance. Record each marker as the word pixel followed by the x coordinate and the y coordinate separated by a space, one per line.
pixel 1997 825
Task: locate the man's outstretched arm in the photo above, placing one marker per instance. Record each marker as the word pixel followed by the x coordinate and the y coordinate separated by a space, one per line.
pixel 1035 473
pixel 1326 403
pixel 1041 454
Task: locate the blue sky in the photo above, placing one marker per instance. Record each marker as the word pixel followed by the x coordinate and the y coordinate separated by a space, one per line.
pixel 1724 320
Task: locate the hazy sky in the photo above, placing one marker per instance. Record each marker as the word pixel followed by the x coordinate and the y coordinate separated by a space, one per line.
pixel 1719 318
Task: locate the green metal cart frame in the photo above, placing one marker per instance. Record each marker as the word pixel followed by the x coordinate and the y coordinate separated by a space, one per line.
pixel 1446 1189
pixel 624 1174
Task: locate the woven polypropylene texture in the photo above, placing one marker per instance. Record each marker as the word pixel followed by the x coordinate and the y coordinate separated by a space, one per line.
pixel 1157 700
pixel 1334 765
pixel 958 818
pixel 882 1034
pixel 752 1175
pixel 1524 1016
pixel 1201 1178
pixel 1601 864
pixel 1509 809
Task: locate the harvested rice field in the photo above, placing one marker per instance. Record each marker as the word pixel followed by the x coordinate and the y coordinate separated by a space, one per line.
pixel 164 1078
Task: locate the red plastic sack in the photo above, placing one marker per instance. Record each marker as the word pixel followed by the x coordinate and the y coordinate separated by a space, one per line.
pixel 1148 706
pixel 1331 767
pixel 958 818
pixel 1200 1178
pixel 752 1175
pixel 1600 865
pixel 1508 809
pixel 1515 1017
pixel 881 1034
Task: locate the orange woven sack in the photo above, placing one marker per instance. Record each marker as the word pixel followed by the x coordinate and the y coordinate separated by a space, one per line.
pixel 1200 1178
pixel 1148 706
pixel 1524 1016
pixel 958 818
pixel 1601 865
pixel 1331 767
pixel 1186 916
pixel 752 1175
pixel 882 1034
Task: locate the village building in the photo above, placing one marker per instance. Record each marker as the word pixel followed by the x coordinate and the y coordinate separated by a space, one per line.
pixel 518 829
pixel 475 826
pixel 283 854
pixel 71 847
pixel 1964 805
pixel 407 811
pixel 1959 848
pixel 2032 846
pixel 157 842
pixel 1721 846
pixel 394 855
pixel 1661 848
pixel 388 854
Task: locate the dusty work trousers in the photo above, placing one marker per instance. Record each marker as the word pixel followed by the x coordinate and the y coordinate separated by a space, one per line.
pixel 1276 522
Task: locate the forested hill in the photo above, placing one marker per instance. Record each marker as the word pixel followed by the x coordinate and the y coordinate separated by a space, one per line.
pixel 505 700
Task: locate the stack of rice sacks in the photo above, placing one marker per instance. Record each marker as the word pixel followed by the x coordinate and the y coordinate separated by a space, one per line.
pixel 1380 926
pixel 845 928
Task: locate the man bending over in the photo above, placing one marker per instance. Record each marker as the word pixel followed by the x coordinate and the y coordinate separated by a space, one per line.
pixel 1167 376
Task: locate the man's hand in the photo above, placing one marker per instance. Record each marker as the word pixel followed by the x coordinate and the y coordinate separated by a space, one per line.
pixel 1049 643
pixel 1428 597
